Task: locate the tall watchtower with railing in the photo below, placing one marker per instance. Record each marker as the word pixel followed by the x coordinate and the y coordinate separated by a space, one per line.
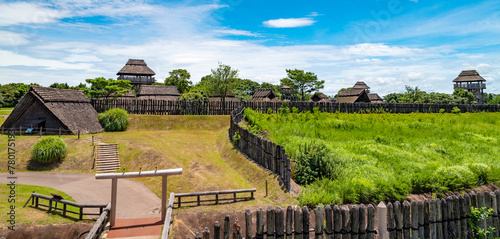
pixel 471 81
pixel 137 72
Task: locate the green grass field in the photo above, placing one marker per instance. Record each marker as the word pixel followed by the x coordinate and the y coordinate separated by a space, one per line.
pixel 31 215
pixel 389 156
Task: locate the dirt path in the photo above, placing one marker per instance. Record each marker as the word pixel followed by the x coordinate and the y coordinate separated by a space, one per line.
pixel 134 199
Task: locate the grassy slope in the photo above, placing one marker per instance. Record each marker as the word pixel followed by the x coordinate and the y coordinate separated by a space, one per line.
pixel 389 155
pixel 198 144
pixel 31 215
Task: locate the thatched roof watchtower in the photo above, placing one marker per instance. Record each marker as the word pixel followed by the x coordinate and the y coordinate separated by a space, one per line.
pixel 137 72
pixel 471 81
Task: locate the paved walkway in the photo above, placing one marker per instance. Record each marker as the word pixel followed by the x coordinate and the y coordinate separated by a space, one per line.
pixel 134 199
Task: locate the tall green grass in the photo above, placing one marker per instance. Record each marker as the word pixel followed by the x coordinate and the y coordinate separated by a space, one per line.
pixel 388 156
pixel 49 150
pixel 114 119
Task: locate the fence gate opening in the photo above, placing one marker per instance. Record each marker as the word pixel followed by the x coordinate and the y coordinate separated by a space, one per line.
pixel 114 186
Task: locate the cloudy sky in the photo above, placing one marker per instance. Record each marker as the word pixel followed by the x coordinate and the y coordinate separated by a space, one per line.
pixel 386 43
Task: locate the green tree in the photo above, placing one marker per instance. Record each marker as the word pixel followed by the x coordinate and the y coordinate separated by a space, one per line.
pixel 179 78
pixel 244 89
pixel 193 95
pixel 60 86
pixel 102 88
pixel 463 96
pixel 304 82
pixel 494 100
pixel 13 92
pixel 222 80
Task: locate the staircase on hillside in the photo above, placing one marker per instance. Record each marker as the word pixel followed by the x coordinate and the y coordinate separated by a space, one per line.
pixel 106 157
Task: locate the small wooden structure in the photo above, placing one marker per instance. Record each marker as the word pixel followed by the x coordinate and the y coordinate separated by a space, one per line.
pixel 157 92
pixel 353 96
pixel 471 81
pixel 137 72
pixel 264 95
pixel 58 199
pixel 319 97
pixel 217 199
pixel 287 93
pixel 43 108
pixel 106 157
pixel 375 98
pixel 114 186
pixel 361 85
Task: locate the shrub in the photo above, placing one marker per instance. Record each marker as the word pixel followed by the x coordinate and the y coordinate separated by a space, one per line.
pixel 114 119
pixel 455 110
pixel 482 172
pixel 442 111
pixel 456 177
pixel 313 161
pixel 49 150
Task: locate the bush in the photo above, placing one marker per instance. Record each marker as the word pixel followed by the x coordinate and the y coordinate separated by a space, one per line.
pixel 442 111
pixel 49 150
pixel 455 110
pixel 482 172
pixel 456 177
pixel 114 119
pixel 314 161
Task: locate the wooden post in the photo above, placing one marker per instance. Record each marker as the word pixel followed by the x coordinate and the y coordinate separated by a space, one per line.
pixel 260 224
pixel 297 215
pixel 236 229
pixel 164 197
pixel 227 227
pixel 382 221
pixel 406 219
pixel 41 129
pixel 370 225
pixel 346 224
pixel 289 222
pixel 81 213
pixel 391 225
pixel 279 223
pixel 488 205
pixel 433 219
pixel 20 131
pixel 398 220
pixel 329 222
pixel 266 187
pixel 318 230
pixel 439 219
pixel 114 187
pixel 248 223
pixel 64 209
pixel 462 217
pixel 217 230
pixel 496 222
pixel 60 134
pixel 480 204
pixel 414 219
pixel 206 233
pixel 426 215
pixel 198 236
pixel 305 223
pixel 78 134
pixel 444 213
pixel 354 222
pixel 467 205
pixel 362 221
pixel 270 222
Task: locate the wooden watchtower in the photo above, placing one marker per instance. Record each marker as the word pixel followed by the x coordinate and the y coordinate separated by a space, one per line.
pixel 137 72
pixel 471 81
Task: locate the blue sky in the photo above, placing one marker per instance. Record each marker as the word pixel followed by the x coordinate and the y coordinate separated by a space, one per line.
pixel 386 43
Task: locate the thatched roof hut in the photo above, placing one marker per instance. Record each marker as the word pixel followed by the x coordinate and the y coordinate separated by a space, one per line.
pixel 353 96
pixel 471 81
pixel 469 76
pixel 361 85
pixel 375 98
pixel 158 92
pixel 264 95
pixel 229 98
pixel 137 72
pixel 319 97
pixel 52 108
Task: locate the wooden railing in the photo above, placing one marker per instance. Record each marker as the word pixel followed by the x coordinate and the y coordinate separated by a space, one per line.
pixel 168 218
pixel 217 199
pixel 35 201
pixel 100 224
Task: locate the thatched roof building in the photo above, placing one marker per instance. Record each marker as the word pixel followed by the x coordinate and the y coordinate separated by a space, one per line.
pixel 319 97
pixel 287 93
pixel 471 81
pixel 264 95
pixel 228 98
pixel 52 108
pixel 137 72
pixel 361 85
pixel 353 96
pixel 158 92
pixel 375 98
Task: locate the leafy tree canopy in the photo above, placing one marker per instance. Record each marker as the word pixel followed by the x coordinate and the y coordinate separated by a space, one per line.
pixel 222 80
pixel 304 82
pixel 102 88
pixel 179 78
pixel 12 93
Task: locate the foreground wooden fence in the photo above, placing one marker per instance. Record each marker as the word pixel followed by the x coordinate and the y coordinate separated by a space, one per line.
pixel 430 218
pixel 164 107
pixel 100 224
pixel 263 152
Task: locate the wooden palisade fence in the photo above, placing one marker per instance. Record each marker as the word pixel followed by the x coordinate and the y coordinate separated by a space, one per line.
pixel 263 152
pixel 164 107
pixel 430 218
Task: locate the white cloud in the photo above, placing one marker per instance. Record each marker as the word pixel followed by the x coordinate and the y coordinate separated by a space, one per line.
pixel 20 13
pixel 289 22
pixel 235 32
pixel 12 38
pixel 8 58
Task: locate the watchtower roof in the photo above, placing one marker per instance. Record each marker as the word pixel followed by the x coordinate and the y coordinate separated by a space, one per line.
pixel 469 76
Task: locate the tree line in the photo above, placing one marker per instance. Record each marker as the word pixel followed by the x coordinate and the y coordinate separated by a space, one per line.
pixel 224 82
